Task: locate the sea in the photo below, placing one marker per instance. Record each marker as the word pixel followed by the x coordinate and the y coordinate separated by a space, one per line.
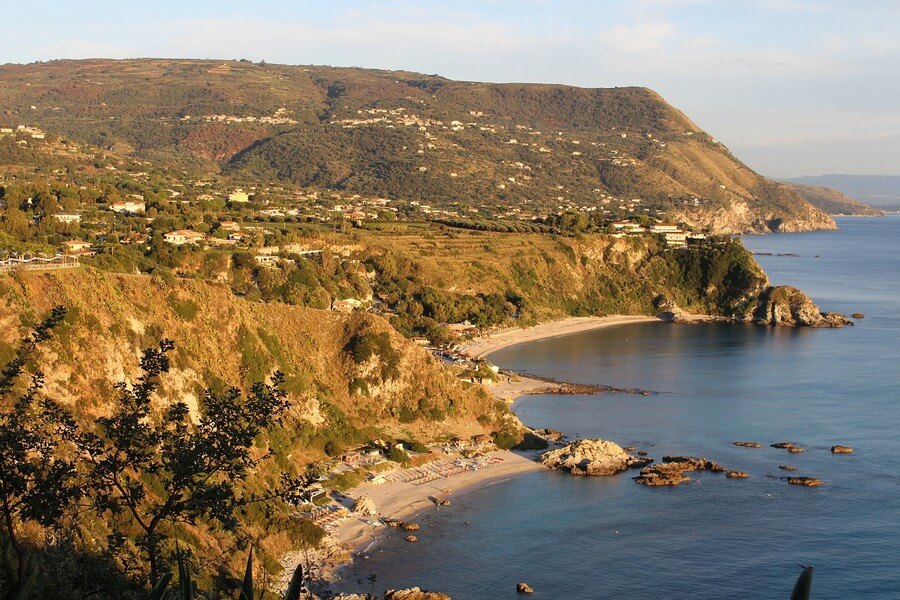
pixel 609 537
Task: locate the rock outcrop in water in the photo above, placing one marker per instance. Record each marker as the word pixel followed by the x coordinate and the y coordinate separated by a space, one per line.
pixel 787 306
pixel 414 594
pixel 592 457
pixel 672 470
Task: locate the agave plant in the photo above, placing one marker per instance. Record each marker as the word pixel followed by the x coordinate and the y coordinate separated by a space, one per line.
pixel 247 587
pixel 296 587
pixel 160 590
pixel 804 584
pixel 185 584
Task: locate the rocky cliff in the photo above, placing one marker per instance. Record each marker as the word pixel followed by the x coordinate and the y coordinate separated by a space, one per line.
pixel 787 306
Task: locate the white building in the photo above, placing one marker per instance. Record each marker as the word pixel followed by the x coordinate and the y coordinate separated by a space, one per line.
pixel 129 207
pixel 68 218
pixel 181 237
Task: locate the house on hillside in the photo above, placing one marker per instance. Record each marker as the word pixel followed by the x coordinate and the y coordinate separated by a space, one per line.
pixel 229 226
pixel 77 248
pixel 181 237
pixel 675 239
pixel 238 197
pixel 133 238
pixel 68 218
pixel 347 305
pixel 267 260
pixel 129 207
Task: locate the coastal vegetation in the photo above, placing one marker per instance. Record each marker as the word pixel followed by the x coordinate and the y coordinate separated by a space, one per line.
pixel 141 444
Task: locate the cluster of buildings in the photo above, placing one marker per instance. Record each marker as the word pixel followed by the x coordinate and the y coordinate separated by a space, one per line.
pixel 674 236
pixel 279 118
pixel 33 132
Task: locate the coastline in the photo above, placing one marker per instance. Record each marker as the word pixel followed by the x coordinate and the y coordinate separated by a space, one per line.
pixel 403 501
pixel 483 346
pixel 354 538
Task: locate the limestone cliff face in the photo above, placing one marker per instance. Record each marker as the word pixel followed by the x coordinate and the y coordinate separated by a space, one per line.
pixel 787 306
pixel 766 208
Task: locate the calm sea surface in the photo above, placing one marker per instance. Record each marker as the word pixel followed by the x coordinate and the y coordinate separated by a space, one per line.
pixel 592 538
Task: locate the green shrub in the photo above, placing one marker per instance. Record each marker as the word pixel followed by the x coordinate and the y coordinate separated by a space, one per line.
pixel 507 440
pixel 185 309
pixel 532 442
pixel 397 455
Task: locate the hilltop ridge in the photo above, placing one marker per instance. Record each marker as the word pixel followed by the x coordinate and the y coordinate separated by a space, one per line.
pixel 514 150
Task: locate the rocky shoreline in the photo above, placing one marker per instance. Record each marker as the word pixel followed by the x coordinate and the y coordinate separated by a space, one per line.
pixel 597 457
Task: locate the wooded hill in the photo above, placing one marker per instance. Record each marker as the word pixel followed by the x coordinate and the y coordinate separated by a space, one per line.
pixel 525 148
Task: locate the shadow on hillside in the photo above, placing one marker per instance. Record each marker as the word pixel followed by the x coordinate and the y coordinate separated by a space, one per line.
pixel 66 573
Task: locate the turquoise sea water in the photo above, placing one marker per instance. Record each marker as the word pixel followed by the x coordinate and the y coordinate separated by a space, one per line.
pixel 592 538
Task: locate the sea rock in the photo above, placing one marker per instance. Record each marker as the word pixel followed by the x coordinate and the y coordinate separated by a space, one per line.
pixel 787 306
pixel 642 453
pixel 524 588
pixel 350 597
pixel 787 467
pixel 652 477
pixel 783 445
pixel 838 449
pixel 858 315
pixel 412 538
pixel 805 481
pixel 748 444
pixel 789 446
pixel 409 526
pixel 365 506
pixel 638 462
pixel 414 594
pixel 590 457
pixel 693 463
pixel 673 468
pixel 737 474
pixel 549 434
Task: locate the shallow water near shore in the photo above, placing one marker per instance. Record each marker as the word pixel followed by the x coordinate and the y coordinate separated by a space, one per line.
pixel 589 538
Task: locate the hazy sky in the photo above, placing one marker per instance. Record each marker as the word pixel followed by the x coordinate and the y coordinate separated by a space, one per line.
pixel 793 87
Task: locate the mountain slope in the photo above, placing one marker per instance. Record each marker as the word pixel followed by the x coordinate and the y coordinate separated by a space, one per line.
pixel 409 136
pixel 877 190
pixel 833 202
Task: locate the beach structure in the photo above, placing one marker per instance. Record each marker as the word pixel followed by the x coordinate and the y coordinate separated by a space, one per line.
pixel 38 263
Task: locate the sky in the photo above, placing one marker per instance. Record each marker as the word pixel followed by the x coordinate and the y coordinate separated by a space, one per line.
pixel 792 87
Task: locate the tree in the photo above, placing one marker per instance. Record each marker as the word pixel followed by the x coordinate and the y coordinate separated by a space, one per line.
pixel 37 475
pixel 163 468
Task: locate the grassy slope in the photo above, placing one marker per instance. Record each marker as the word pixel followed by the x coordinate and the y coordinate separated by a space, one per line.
pixel 223 339
pixel 586 275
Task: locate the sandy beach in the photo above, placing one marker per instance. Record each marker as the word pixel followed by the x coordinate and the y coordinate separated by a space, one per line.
pixel 482 347
pixel 406 501
pixel 401 500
